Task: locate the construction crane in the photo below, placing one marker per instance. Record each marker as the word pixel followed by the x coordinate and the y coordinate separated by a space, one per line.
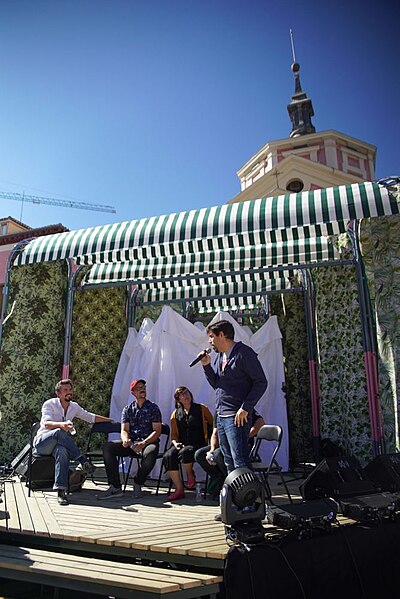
pixel 22 197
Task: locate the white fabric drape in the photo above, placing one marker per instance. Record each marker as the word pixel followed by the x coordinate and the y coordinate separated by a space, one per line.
pixel 128 368
pixel 160 353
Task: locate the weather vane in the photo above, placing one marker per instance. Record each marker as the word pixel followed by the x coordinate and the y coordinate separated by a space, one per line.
pixel 292 43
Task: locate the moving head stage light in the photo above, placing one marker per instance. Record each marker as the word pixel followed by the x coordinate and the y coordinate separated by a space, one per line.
pixel 243 507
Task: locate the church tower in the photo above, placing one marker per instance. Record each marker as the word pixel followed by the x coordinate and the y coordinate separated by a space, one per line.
pixel 307 159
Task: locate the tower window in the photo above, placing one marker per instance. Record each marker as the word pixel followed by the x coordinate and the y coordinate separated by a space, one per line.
pixel 295 185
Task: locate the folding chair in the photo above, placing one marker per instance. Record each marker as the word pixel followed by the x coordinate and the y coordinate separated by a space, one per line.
pixel 103 429
pixel 268 432
pixel 165 430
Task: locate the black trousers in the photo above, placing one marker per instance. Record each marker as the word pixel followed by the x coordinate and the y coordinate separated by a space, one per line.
pixel 173 456
pixel 217 472
pixel 112 450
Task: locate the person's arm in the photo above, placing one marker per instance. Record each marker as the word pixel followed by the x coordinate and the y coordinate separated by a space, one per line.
pixel 49 423
pixel 211 376
pixel 65 425
pixel 214 444
pixel 138 446
pixel 208 415
pixel 174 431
pixel 207 422
pixel 103 419
pixel 256 427
pixel 126 434
pixel 251 365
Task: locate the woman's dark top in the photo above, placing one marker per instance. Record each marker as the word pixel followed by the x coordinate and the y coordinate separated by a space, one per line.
pixel 190 428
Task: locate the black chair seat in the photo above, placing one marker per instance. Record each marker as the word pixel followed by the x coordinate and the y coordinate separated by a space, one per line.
pixel 165 431
pixel 101 429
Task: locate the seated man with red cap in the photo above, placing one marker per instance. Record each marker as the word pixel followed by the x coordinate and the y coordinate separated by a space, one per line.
pixel 140 430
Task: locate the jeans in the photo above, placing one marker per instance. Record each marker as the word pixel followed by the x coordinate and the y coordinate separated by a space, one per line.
pixel 112 450
pixel 59 444
pixel 234 443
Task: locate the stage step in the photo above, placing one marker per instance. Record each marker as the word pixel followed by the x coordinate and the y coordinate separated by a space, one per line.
pixel 91 575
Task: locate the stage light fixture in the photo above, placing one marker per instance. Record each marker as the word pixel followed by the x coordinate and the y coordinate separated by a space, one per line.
pixel 243 507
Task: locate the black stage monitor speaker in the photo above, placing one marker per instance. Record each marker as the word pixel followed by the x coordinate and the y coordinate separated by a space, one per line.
pixel 42 476
pixel 338 478
pixel 16 463
pixel 384 471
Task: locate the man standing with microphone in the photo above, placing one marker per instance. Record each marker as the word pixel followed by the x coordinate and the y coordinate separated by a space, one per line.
pixel 239 382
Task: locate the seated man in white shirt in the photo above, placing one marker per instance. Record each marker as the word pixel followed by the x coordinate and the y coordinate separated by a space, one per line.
pixel 53 436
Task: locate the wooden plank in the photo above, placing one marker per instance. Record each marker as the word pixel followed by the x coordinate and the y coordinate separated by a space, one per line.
pixel 94 577
pixel 55 531
pixel 23 509
pixel 13 523
pixel 41 555
pixel 142 578
pixel 39 522
pixel 109 570
pixel 176 545
pixel 116 536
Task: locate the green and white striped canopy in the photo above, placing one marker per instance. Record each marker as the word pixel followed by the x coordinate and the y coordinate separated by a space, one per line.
pixel 164 255
pixel 219 227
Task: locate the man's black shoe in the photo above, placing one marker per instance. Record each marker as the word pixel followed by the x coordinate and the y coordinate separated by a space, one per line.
pixel 62 497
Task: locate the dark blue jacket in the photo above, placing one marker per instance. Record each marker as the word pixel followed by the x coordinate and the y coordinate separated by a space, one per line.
pixel 241 384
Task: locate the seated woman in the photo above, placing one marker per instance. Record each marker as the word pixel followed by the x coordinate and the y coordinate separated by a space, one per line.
pixel 190 426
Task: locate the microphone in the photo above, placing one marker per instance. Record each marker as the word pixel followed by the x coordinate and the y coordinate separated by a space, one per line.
pixel 200 356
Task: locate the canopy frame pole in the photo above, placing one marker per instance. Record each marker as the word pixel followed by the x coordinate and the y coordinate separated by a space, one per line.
pixel 369 345
pixel 72 275
pixel 15 251
pixel 213 275
pixel 133 292
pixel 315 391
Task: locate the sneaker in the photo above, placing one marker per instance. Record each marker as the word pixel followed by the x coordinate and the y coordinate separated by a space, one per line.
pixel 218 518
pixel 137 491
pixel 62 497
pixel 111 493
pixel 178 494
pixel 191 482
pixel 87 468
pixel 129 508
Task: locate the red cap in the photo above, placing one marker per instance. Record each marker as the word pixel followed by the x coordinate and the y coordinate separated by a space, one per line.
pixel 135 382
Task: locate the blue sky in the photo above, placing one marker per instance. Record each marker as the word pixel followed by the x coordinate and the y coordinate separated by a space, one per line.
pixel 152 107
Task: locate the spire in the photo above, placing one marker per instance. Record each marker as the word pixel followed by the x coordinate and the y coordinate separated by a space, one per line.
pixel 300 108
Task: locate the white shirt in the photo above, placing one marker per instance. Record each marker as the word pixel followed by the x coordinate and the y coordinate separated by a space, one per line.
pixel 53 411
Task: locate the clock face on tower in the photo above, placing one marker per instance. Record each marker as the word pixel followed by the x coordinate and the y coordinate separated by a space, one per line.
pixel 295 185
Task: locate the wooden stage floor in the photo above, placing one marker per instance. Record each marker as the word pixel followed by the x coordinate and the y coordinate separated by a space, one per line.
pixel 182 532
pixel 178 537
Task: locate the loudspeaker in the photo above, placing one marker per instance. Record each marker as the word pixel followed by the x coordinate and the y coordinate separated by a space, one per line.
pixel 338 478
pixel 42 476
pixel 23 454
pixel 384 471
